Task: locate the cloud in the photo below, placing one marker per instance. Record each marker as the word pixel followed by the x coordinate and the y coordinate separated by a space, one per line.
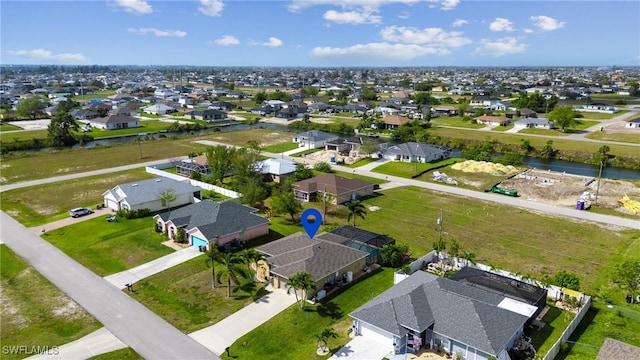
pixel 431 36
pixel 446 4
pixel 501 24
pixel 211 7
pixel 546 23
pixel 499 47
pixel 135 6
pixel 352 17
pixel 227 40
pixel 46 55
pixel 158 32
pixel 459 22
pixel 381 50
pixel 273 42
pixel 297 5
pixel 404 15
pixel 528 31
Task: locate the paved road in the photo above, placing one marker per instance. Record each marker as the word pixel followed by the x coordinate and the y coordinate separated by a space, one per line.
pixel 138 327
pixel 595 128
pixel 98 342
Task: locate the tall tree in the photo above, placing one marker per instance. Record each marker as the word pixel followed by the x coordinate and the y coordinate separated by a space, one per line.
pixel 59 131
pixel 213 257
pixel 166 197
pixel 232 269
pixel 356 209
pixel 302 281
pixel 68 105
pixel 603 154
pixel 323 337
pixel 251 256
pixel 31 108
pixel 219 159
pixel 253 190
pixel 563 116
pixel 627 276
pixel 284 201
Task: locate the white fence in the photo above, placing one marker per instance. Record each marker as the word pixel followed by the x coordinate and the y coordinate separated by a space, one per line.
pixel 555 349
pixel 157 170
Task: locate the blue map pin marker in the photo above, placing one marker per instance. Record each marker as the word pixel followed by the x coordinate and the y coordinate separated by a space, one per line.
pixel 311 228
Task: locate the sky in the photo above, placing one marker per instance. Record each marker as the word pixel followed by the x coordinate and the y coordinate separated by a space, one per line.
pixel 321 33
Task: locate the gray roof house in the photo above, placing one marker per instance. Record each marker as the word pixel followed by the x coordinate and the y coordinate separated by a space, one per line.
pixel 313 139
pixel 533 123
pixel 206 223
pixel 326 260
pixel 115 122
pixel 614 349
pixel 427 309
pixel 146 194
pixel 416 152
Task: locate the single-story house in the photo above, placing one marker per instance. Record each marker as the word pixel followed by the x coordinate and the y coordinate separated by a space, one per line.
pixel 208 223
pixel 614 349
pixel 533 123
pixel 597 107
pixel 112 122
pixel 484 101
pixel 159 109
pixel 328 262
pixel 340 189
pixel 441 110
pixel 524 113
pixel 207 115
pixel 314 139
pixel 634 124
pixel 83 114
pixel 146 194
pixel 459 318
pixel 416 152
pixel 199 163
pixel 289 113
pixel 394 121
pixel 276 169
pixel 493 120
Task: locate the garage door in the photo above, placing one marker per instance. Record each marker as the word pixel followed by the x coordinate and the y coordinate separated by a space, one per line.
pixel 376 335
pixel 197 242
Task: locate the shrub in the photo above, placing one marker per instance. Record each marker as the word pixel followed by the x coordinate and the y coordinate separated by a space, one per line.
pixel 323 166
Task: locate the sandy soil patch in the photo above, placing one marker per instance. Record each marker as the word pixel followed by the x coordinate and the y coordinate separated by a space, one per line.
pixel 41 124
pixel 620 127
pixel 326 156
pixel 473 166
pixel 321 120
pixel 279 121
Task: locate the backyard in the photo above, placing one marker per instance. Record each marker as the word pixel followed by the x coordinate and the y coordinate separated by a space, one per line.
pixel 34 311
pixel 110 247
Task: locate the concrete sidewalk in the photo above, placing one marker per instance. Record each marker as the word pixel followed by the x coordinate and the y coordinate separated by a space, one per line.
pixel 98 342
pixel 153 267
pixel 218 336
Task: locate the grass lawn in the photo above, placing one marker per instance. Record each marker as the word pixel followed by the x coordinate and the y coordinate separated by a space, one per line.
pixel 42 204
pixel 265 137
pixel 122 354
pixel 183 295
pixel 110 247
pixel 502 128
pixel 621 137
pixel 282 147
pixel 146 126
pixel 151 116
pixel 8 127
pixel 556 320
pixel 546 132
pixel 349 175
pixel 407 170
pixel 601 116
pixel 295 329
pixel 456 121
pixel 22 135
pixel 361 162
pixel 498 235
pixel 536 142
pixel 306 152
pixel 34 311
pixel 599 323
pixel 39 165
pixel 96 95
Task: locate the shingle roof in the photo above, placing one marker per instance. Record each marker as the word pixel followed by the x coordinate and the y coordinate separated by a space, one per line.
pixel 140 192
pixel 466 314
pixel 334 184
pixel 418 149
pixel 614 349
pixel 115 119
pixel 316 135
pixel 215 219
pixel 395 120
pixel 276 166
pixel 297 252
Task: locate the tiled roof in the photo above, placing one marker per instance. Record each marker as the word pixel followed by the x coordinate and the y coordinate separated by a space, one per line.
pixel 395 120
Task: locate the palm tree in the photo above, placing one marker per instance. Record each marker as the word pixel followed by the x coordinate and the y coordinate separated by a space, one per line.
pixel 356 209
pixel 213 256
pixel 469 257
pixel 322 337
pixel 232 270
pixel 301 281
pixel 251 256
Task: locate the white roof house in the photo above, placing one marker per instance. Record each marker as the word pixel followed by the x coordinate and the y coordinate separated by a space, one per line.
pixel 147 194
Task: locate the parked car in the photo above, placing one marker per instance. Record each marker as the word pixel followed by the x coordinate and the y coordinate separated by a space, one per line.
pixel 77 212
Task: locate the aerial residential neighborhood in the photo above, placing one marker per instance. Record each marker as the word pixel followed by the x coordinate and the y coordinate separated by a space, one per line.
pixel 357 180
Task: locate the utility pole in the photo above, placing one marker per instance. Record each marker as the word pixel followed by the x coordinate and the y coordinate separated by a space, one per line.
pixel 324 201
pixel 599 177
pixel 440 232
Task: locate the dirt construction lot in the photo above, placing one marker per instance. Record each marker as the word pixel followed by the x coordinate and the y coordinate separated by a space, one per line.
pixel 565 190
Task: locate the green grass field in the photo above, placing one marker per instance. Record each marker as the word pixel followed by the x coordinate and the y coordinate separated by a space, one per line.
pixel 281 147
pixel 96 95
pixel 8 127
pixel 34 311
pixel 110 247
pixel 502 128
pixel 620 137
pixel 455 121
pixel 602 116
pixel 408 170
pixel 546 132
pixel 42 204
pixel 122 354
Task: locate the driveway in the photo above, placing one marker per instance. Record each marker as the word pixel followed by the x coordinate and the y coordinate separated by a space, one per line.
pixel 224 333
pixel 132 323
pixel 69 220
pixel 98 342
pixel 362 348
pixel 131 276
